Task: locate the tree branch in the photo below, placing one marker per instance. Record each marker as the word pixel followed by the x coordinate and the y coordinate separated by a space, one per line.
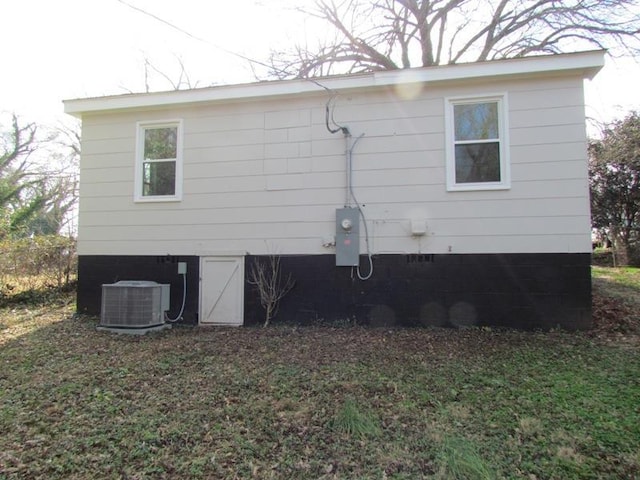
pixel 388 34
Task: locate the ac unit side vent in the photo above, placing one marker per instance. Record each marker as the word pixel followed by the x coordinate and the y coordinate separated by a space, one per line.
pixel 133 304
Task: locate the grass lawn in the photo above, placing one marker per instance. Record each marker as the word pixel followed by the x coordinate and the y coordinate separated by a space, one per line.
pixel 332 403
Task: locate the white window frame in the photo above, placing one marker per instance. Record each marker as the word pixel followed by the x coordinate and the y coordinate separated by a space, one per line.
pixel 503 140
pixel 141 127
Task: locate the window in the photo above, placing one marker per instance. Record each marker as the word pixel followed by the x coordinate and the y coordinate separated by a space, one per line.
pixel 476 144
pixel 159 161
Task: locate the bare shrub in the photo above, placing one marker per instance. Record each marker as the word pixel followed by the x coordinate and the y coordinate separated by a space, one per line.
pixel 36 262
pixel 266 276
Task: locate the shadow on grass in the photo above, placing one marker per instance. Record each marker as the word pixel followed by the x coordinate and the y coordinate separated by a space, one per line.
pixel 42 296
pixel 610 287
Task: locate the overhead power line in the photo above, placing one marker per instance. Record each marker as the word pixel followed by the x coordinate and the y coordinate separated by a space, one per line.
pixel 208 42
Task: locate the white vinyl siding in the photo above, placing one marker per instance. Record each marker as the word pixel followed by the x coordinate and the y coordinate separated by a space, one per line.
pixel 265 176
pixel 158 168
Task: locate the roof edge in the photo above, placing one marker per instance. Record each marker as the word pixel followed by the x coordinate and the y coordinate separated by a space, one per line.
pixel 586 64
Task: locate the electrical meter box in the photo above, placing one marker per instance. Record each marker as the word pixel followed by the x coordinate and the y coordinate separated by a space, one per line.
pixel 347 237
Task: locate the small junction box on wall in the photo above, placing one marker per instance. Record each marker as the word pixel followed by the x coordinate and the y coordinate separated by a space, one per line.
pixel 347 237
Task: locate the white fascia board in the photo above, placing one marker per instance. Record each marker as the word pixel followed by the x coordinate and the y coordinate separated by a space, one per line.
pixel 585 64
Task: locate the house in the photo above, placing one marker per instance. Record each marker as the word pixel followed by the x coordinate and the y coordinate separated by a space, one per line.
pixel 472 180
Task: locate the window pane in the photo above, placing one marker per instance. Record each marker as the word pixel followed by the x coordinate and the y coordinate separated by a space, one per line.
pixel 478 162
pixel 478 121
pixel 160 143
pixel 159 178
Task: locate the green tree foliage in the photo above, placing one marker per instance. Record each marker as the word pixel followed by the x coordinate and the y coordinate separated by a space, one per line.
pixel 614 164
pixel 37 179
pixel 369 35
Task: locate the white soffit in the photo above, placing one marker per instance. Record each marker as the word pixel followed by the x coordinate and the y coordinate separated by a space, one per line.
pixel 584 64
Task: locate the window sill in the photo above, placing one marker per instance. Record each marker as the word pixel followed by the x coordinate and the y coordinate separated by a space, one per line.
pixel 474 187
pixel 157 199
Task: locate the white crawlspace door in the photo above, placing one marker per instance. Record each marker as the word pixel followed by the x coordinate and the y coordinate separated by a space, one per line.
pixel 221 290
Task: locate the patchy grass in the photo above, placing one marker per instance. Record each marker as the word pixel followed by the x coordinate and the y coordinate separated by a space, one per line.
pixel 352 420
pixel 332 403
pixel 626 280
pixel 460 460
pixel 616 302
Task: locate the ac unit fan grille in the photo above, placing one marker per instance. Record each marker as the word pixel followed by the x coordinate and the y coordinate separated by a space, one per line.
pixel 131 305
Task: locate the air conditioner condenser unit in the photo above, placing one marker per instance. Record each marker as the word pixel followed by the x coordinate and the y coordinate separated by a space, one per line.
pixel 134 304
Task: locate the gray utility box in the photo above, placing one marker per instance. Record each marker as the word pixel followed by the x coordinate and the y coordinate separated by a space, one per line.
pixel 347 237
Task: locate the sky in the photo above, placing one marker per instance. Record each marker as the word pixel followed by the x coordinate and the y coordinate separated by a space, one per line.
pixel 65 49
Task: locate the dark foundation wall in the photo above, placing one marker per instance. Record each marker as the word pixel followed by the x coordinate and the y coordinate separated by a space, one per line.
pixel 96 270
pixel 524 291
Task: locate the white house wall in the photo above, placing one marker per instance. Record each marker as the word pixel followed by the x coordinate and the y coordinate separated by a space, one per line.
pixel 266 176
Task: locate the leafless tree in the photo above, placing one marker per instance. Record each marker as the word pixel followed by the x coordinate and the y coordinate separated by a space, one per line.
pixel 179 81
pixel 183 81
pixel 369 35
pixel 266 276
